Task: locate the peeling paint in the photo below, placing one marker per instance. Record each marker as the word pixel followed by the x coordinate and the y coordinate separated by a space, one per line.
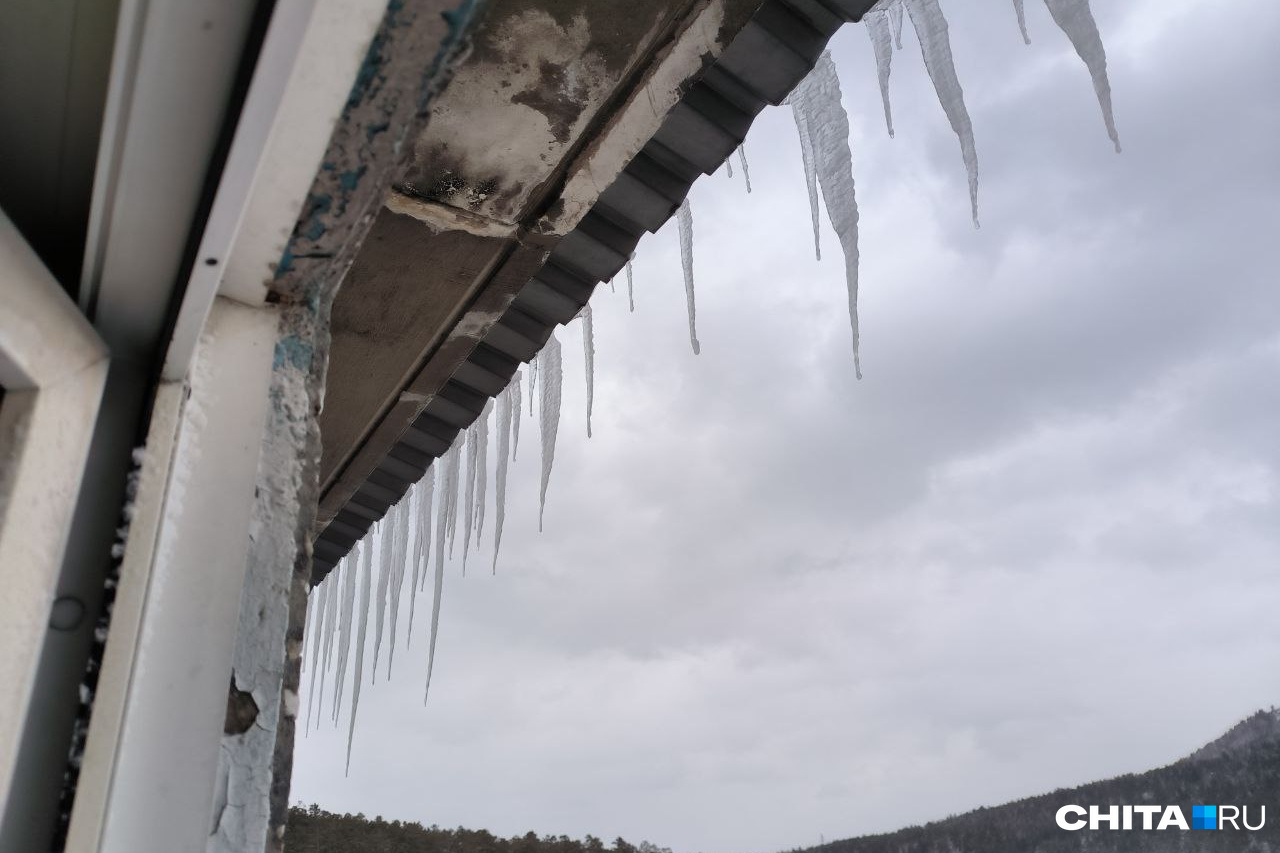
pixel 700 40
pixel 538 77
pixel 441 217
pixel 292 351
pixel 407 63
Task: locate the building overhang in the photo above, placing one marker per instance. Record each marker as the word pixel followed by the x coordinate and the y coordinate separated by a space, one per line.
pixel 570 130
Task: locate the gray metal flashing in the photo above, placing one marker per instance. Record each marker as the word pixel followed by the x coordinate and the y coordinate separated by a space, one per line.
pixel 769 56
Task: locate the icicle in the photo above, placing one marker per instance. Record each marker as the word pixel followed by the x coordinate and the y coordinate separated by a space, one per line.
pixel 810 174
pixel 308 631
pixel 469 502
pixel 334 582
pixel 364 626
pixel 817 99
pixel 446 516
pixel 631 293
pixel 1075 18
pixel 685 218
pixel 931 29
pixel 517 407
pixel 403 520
pixel 423 494
pixel 881 43
pixel 548 414
pixel 589 353
pixel 313 671
pixel 386 563
pixel 1022 20
pixel 482 467
pixel 335 597
pixel 453 474
pixel 742 160
pixel 533 383
pixel 728 165
pixel 365 552
pixel 505 423
pixel 895 18
pixel 325 589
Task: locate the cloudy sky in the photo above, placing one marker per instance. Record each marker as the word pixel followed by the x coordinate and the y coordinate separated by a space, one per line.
pixel 1035 546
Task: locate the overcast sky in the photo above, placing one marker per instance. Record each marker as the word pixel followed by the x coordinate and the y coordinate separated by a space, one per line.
pixel 1034 547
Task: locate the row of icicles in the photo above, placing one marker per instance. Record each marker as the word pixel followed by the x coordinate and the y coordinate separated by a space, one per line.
pixel 403 538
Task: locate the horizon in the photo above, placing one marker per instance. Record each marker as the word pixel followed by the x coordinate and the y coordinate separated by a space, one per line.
pixel 1272 710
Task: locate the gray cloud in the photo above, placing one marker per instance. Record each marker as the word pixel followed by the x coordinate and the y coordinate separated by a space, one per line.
pixel 771 601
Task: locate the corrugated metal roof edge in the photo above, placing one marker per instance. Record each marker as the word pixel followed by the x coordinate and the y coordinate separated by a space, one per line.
pixel 764 62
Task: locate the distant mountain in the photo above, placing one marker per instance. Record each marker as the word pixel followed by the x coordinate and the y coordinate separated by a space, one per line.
pixel 1240 768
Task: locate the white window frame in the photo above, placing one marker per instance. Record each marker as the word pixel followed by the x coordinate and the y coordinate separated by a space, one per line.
pixel 52 367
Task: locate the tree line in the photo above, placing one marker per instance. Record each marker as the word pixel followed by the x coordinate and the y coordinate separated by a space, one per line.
pixel 313 830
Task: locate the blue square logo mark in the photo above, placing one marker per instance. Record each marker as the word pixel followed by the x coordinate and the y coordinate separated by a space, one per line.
pixel 1204 817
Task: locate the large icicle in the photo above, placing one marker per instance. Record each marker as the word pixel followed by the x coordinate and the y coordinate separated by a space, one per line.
pixel 404 519
pixel 589 356
pixel 505 423
pixel 549 365
pixel 517 409
pixel 445 518
pixel 631 292
pixel 1075 18
pixel 423 495
pixel 684 217
pixel 1022 20
pixel 482 466
pixel 935 43
pixel 742 160
pixel 878 28
pixel 365 552
pixel 817 99
pixel 386 565
pixel 810 172
pixel 364 626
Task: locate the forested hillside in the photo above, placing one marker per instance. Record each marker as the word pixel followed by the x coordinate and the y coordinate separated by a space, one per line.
pixel 1240 768
pixel 314 830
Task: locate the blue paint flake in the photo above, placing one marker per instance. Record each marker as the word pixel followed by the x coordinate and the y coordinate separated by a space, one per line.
pixel 350 179
pixel 292 351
